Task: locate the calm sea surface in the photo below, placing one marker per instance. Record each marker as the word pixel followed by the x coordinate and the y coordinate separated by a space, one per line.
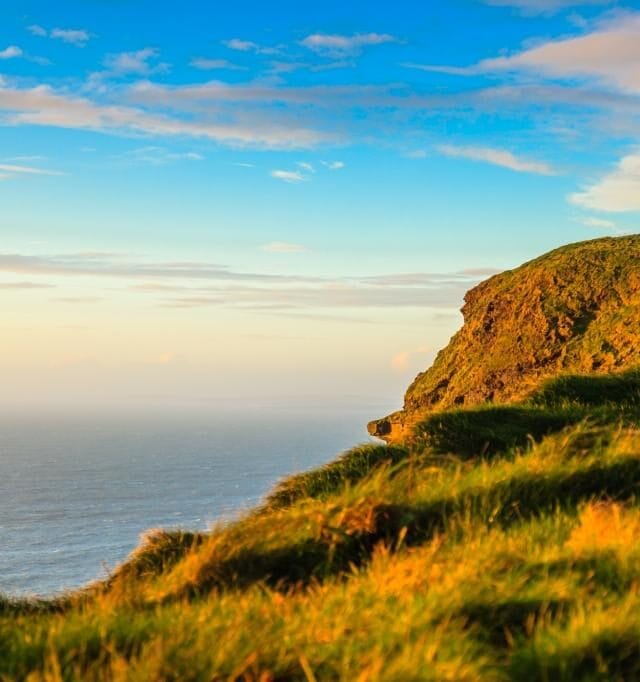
pixel 77 492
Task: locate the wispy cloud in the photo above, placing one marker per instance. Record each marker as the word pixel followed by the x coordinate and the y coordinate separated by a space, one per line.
pixel 25 285
pixel 618 191
pixel 97 264
pixel 545 6
pixel 241 45
pixel 306 166
pixel 283 247
pixel 77 37
pixel 205 64
pixel 138 62
pixel 249 46
pixel 41 105
pixel 289 176
pixel 11 52
pixel 305 172
pixel 37 30
pixel 72 36
pixel 79 300
pixel 338 45
pixel 497 157
pixel 402 361
pixel 159 156
pixel 8 170
pixel 186 284
pixel 597 223
pixel 608 55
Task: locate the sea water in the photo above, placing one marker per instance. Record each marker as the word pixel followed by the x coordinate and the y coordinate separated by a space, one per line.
pixel 78 490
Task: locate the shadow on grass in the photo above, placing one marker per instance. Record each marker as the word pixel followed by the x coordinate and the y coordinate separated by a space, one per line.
pixel 490 430
pixel 159 551
pixel 503 620
pixel 622 390
pixel 351 467
pixel 337 551
pixel 603 571
pixel 603 657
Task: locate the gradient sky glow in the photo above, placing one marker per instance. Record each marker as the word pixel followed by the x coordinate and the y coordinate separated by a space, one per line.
pixel 231 203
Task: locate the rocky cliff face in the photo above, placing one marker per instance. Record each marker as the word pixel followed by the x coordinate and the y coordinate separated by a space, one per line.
pixel 573 310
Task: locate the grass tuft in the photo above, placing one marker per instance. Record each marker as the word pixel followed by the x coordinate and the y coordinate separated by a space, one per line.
pixel 620 390
pixel 351 467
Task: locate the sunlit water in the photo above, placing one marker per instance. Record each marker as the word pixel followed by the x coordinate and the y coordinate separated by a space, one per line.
pixel 77 492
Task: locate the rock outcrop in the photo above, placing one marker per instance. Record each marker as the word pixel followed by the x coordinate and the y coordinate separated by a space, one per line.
pixel 573 310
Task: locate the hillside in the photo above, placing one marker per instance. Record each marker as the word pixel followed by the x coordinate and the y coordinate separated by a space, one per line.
pixel 498 542
pixel 573 310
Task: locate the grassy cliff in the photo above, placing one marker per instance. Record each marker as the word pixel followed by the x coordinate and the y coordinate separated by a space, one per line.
pixel 573 310
pixel 498 542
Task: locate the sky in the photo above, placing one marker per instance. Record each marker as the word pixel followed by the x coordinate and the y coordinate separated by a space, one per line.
pixel 208 204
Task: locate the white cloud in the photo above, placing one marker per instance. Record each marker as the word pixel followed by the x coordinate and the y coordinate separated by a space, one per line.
pixel 205 64
pixel 400 361
pixel 158 156
pixel 608 55
pixel 137 62
pixel 618 191
pixel 545 6
pixel 333 165
pixel 11 170
pixel 288 176
pixel 72 36
pixel 183 284
pixel 43 106
pixel 403 360
pixel 11 52
pixel 597 223
pixel 241 45
pixel 37 30
pixel 335 44
pixel 77 37
pixel 283 247
pixel 497 157
pixel 26 157
pixel 25 285
pixel 305 166
pixel 249 46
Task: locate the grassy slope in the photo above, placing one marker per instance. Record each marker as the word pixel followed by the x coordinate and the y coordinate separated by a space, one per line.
pixel 484 563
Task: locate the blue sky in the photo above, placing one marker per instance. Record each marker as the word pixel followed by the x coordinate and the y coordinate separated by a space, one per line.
pixel 212 200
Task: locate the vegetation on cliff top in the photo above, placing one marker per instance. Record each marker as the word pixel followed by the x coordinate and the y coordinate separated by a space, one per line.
pixel 574 310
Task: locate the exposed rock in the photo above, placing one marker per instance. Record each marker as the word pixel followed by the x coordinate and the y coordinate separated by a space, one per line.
pixel 573 310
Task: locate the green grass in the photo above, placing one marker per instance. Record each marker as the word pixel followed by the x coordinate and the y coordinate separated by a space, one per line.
pixel 619 390
pixel 350 467
pixel 489 430
pixel 502 544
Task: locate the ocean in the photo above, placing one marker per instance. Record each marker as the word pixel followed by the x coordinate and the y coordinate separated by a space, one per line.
pixel 77 491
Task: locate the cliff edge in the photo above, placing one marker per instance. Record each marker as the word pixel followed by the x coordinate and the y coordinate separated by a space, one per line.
pixel 574 310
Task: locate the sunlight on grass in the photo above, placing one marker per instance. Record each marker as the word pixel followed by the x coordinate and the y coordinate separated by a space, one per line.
pixel 510 563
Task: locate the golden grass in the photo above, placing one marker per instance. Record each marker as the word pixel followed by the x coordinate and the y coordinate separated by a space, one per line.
pixel 521 567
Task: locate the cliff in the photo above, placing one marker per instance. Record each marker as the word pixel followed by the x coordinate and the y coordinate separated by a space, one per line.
pixel 573 310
